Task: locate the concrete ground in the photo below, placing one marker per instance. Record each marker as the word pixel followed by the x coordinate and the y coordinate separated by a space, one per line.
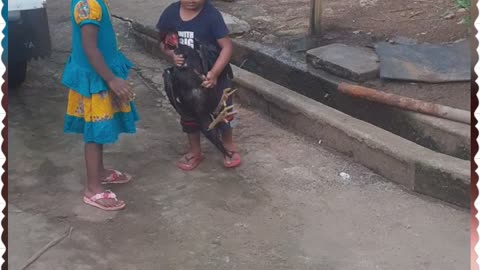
pixel 286 207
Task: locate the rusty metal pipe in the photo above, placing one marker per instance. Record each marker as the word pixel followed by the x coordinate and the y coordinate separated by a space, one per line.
pixel 406 103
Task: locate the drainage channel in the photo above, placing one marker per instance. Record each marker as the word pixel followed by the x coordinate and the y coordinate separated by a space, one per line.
pixel 290 71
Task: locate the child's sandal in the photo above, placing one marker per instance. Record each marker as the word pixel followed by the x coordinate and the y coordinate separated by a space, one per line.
pixel 104 195
pixel 116 178
pixel 189 162
pixel 232 162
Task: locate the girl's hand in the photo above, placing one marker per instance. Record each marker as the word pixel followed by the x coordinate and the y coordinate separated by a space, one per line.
pixel 211 80
pixel 122 89
pixel 178 59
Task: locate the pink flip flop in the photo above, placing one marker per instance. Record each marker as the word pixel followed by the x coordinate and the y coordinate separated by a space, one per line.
pixel 104 195
pixel 115 178
pixel 234 162
pixel 189 162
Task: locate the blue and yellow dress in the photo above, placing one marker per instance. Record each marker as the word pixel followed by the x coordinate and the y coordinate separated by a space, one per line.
pixel 92 108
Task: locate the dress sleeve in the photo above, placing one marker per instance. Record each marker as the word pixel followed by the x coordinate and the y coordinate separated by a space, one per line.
pixel 87 12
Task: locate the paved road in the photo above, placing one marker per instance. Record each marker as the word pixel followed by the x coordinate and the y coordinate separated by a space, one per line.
pixel 285 208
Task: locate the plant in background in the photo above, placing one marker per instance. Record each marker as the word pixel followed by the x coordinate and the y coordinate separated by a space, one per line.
pixel 466 4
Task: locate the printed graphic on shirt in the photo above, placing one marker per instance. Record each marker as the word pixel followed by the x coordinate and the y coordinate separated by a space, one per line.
pixel 186 38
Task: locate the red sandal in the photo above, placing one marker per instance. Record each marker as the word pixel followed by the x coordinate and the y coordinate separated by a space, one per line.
pixel 115 177
pixel 189 162
pixel 232 162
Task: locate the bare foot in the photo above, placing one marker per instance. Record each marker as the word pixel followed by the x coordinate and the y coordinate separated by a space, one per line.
pixel 230 146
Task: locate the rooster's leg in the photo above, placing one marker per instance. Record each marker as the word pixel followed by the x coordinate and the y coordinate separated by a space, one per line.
pixel 223 100
pixel 221 117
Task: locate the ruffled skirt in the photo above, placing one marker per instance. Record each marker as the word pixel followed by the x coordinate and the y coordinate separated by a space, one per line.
pixel 101 118
pixel 87 81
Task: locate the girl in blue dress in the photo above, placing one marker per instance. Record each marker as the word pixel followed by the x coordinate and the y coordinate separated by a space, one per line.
pixel 100 101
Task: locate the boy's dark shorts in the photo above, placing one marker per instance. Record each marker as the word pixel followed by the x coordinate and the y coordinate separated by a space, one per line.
pixel 189 125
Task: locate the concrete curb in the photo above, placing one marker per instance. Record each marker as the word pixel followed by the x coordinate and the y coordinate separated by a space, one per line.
pixel 403 162
pixel 280 66
pixel 406 163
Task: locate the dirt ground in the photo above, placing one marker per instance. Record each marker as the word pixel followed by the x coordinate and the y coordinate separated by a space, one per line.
pixel 424 20
pixel 362 23
pixel 286 207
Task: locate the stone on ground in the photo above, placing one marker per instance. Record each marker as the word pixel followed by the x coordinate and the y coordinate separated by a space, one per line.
pixel 353 63
pixel 235 25
pixel 434 63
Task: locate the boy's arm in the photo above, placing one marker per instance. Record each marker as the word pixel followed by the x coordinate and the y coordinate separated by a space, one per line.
pixel 222 61
pixel 170 54
pixel 164 23
pixel 166 52
pixel 220 31
pixel 224 57
pixel 95 57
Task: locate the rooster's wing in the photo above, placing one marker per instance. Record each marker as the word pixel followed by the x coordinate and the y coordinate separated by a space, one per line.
pixel 169 81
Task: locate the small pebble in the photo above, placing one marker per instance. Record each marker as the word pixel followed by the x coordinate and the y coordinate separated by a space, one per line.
pixel 345 176
pixel 449 16
pixel 462 11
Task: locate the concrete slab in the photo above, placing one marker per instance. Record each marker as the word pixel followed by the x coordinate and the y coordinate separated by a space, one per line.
pixel 433 63
pixel 235 25
pixel 353 63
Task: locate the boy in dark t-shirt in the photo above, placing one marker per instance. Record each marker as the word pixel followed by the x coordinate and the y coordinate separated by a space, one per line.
pixel 200 20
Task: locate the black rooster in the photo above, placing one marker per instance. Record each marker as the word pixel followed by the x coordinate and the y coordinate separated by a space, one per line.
pixel 183 86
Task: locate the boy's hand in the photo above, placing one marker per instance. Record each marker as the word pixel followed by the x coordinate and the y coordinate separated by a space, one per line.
pixel 211 80
pixel 122 89
pixel 178 59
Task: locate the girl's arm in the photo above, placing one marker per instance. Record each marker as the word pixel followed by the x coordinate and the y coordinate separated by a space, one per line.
pixel 89 42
